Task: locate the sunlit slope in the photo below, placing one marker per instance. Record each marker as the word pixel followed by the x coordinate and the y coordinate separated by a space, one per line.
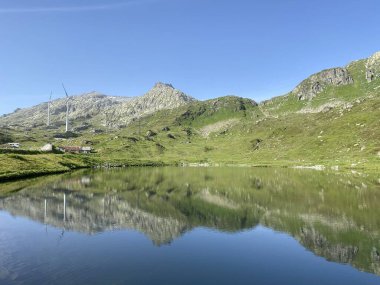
pixel 238 132
pixel 201 134
pixel 331 118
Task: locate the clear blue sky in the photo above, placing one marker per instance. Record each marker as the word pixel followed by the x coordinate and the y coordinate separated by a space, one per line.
pixel 207 48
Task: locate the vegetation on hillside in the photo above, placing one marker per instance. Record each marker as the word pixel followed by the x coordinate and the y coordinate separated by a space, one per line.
pixel 338 127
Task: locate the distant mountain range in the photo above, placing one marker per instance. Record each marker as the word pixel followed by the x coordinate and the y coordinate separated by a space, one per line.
pixel 100 110
pixel 330 118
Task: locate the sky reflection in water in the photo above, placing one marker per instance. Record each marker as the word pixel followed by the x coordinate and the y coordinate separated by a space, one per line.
pixel 191 226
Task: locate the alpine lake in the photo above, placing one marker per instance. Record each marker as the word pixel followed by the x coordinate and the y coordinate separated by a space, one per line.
pixel 191 226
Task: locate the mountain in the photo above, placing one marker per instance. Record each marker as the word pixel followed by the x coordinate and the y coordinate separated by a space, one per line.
pixel 161 97
pixel 338 87
pixel 316 83
pixel 82 107
pixel 373 67
pixel 340 76
pixel 330 120
pixel 97 109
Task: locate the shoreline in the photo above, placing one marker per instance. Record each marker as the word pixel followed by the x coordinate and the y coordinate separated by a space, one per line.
pixel 26 174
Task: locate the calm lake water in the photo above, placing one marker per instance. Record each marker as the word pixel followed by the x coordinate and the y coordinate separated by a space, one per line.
pixel 191 226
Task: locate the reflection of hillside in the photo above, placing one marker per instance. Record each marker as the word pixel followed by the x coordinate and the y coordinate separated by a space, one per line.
pixel 318 243
pixel 338 240
pixel 93 214
pixel 337 252
pixel 334 216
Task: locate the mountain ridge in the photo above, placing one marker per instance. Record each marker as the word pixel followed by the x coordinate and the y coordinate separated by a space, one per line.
pixel 115 111
pixel 337 127
pixel 99 108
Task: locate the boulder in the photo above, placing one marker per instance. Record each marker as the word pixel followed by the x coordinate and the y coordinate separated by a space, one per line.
pixel 47 147
pixel 151 133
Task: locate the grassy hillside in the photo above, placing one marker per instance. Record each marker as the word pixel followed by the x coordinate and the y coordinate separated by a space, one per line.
pixel 29 165
pixel 338 127
pixel 350 137
pixel 229 130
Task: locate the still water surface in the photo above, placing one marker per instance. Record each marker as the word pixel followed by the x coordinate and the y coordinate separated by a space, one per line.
pixel 191 226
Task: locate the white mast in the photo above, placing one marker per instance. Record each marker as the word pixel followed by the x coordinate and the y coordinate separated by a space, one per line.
pixel 67 115
pixel 48 117
pixel 67 108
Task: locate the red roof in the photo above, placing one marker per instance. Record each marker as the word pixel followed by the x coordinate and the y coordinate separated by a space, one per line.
pixel 72 148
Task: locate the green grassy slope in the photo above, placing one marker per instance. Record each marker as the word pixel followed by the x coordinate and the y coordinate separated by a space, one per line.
pixel 339 137
pixel 29 165
pixel 283 131
pixel 349 138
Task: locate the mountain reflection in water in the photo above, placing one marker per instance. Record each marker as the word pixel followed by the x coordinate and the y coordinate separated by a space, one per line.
pixel 336 216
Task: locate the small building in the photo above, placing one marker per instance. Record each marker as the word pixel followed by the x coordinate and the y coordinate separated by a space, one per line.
pixel 86 149
pixel 13 145
pixel 70 149
pixel 75 149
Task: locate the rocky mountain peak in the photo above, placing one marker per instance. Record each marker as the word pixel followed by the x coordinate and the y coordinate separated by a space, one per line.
pixel 165 93
pixel 94 94
pixel 318 82
pixel 162 96
pixel 373 67
pixel 96 107
pixel 375 58
pixel 163 85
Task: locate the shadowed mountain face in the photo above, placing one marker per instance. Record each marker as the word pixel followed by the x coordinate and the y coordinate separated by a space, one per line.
pixel 334 216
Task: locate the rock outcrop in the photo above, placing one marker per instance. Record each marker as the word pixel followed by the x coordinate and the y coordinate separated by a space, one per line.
pixel 373 67
pixel 318 82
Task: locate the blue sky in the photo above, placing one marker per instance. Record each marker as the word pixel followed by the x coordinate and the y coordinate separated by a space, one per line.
pixel 206 48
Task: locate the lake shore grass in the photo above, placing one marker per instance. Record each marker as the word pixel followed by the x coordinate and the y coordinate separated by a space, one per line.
pixel 21 166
